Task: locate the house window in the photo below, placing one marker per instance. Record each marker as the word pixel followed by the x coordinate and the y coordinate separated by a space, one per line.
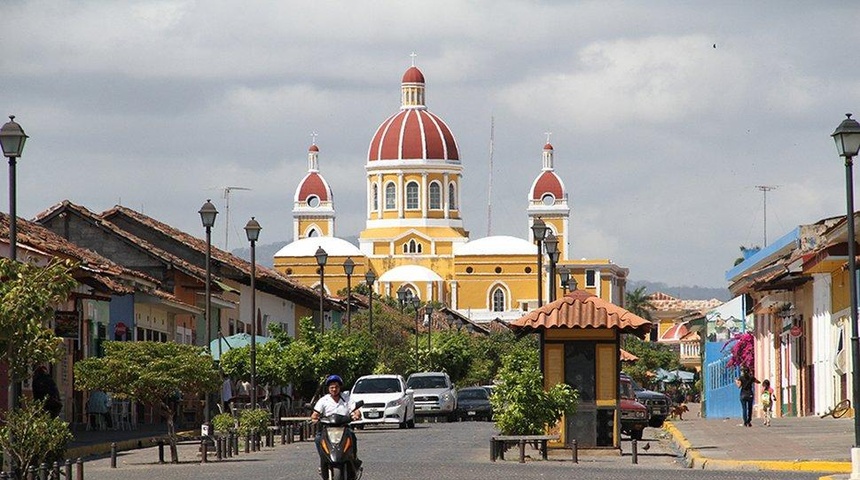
pixel 498 300
pixel 412 196
pixel 590 279
pixel 452 197
pixel 375 200
pixel 390 196
pixel 435 196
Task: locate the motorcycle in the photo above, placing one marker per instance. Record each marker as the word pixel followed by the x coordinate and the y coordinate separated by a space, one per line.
pixel 337 447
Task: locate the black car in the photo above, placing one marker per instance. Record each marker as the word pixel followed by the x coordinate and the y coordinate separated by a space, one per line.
pixel 658 404
pixel 473 403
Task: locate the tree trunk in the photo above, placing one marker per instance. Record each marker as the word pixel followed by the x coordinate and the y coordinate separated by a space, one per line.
pixel 171 433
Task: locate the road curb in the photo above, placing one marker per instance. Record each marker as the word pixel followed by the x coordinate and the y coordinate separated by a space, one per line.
pixel 100 449
pixel 694 459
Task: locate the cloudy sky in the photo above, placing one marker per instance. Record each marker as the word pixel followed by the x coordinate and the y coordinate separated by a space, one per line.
pixel 665 116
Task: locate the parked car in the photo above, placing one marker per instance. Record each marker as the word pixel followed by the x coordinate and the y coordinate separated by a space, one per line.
pixel 634 415
pixel 434 394
pixel 473 403
pixel 386 401
pixel 658 404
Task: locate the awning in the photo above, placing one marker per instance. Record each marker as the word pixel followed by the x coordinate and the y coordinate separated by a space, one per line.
pixel 238 340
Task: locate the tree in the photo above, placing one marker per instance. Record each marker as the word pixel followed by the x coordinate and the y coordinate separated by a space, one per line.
pixel 523 406
pixel 152 373
pixel 28 296
pixel 32 436
pixel 452 352
pixel 652 355
pixel 638 303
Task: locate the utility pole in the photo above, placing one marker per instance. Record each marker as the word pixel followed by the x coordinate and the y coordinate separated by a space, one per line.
pixel 490 186
pixel 764 189
pixel 227 191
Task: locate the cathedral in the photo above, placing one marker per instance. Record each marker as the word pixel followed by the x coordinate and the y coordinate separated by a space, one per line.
pixel 414 237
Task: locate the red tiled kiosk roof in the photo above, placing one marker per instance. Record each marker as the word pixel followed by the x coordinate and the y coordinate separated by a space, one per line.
pixel 580 309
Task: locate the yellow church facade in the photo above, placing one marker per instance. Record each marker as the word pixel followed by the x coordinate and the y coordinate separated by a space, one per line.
pixel 414 235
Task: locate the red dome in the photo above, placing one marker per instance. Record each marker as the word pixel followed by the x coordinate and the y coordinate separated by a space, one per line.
pixel 548 146
pixel 313 184
pixel 413 75
pixel 413 134
pixel 547 182
pixel 313 148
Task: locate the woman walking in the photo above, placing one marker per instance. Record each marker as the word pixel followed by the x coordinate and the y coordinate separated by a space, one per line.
pixel 746 382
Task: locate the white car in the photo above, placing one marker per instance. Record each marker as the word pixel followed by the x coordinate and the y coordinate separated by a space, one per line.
pixel 386 401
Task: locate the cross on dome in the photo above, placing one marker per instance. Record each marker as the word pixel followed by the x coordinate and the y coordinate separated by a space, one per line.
pixel 547 136
pixel 413 55
pixel 314 136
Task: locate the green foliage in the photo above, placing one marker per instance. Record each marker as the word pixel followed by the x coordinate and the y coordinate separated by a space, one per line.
pixel 236 363
pixel 523 407
pixel 637 302
pixel 452 352
pixel 487 353
pixel 39 436
pixel 152 373
pixel 224 423
pixel 28 296
pixel 253 420
pixel 651 355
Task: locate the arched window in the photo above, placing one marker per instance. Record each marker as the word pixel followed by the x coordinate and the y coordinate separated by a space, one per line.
pixel 375 199
pixel 435 196
pixel 498 300
pixel 412 247
pixel 313 233
pixel 390 196
pixel 412 196
pixel 452 197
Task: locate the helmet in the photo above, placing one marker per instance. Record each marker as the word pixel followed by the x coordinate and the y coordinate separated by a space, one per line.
pixel 333 378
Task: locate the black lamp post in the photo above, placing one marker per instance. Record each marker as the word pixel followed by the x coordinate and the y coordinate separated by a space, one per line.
pixel 551 245
pixel 564 276
pixel 208 212
pixel 429 311
pixel 252 231
pixel 321 257
pixel 401 297
pixel 12 139
pixel 369 279
pixel 348 268
pixel 847 137
pixel 539 230
pixel 416 304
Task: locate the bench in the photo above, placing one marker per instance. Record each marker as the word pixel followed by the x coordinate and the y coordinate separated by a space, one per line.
pixel 498 445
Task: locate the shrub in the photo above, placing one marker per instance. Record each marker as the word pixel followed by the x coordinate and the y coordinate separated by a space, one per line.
pixel 39 436
pixel 224 423
pixel 253 420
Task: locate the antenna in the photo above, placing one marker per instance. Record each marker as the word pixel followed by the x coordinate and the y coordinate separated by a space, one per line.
pixel 764 189
pixel 490 186
pixel 227 191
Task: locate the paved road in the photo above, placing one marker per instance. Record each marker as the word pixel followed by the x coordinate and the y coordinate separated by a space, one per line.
pixel 436 450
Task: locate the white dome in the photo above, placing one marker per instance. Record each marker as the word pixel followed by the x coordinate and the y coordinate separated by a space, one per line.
pixel 410 273
pixel 496 245
pixel 307 247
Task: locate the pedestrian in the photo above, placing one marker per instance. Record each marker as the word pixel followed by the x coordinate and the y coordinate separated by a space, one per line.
pixel 45 389
pixel 766 400
pixel 98 408
pixel 746 382
pixel 226 394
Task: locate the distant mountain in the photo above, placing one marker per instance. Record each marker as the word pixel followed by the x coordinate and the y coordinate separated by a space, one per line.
pixel 684 293
pixel 266 252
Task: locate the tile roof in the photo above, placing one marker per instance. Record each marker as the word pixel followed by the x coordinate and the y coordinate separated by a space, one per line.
pixel 663 303
pixel 627 356
pixel 580 309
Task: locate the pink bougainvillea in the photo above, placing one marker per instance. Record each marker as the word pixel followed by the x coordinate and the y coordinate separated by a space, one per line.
pixel 743 351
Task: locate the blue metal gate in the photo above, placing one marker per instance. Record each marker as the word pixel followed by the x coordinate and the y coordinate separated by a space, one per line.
pixel 721 395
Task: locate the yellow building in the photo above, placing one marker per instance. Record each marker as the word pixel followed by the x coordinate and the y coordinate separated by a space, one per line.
pixel 414 236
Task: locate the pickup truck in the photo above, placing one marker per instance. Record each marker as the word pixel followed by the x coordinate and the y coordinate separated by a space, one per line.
pixel 658 404
pixel 434 394
pixel 634 415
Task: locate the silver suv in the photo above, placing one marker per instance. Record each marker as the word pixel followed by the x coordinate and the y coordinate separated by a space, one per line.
pixel 434 394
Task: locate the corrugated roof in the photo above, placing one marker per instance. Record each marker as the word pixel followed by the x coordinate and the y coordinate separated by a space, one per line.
pixel 580 309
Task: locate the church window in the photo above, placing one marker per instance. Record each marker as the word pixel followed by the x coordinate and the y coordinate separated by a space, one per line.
pixel 412 196
pixel 435 196
pixel 498 300
pixel 548 199
pixel 498 269
pixel 452 197
pixel 390 196
pixel 313 233
pixel 469 269
pixel 313 201
pixel 412 247
pixel 528 269
pixel 289 271
pixel 375 199
pixel 590 279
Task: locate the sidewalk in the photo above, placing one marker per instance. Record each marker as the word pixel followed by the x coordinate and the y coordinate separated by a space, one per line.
pixel 88 443
pixel 810 444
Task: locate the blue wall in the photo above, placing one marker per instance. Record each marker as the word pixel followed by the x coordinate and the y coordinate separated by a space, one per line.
pixel 121 310
pixel 722 397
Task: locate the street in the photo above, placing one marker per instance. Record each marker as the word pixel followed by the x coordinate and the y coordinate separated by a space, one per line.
pixel 431 450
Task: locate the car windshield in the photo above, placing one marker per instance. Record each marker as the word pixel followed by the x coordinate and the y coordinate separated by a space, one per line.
pixel 426 382
pixel 626 390
pixel 376 385
pixel 476 394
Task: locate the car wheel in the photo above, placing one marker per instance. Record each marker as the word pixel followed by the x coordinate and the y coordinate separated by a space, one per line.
pixel 410 423
pixel 451 418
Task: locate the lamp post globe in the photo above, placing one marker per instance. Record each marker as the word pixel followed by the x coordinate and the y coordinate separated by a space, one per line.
pixel 401 297
pixel 252 231
pixel 551 245
pixel 539 230
pixel 847 138
pixel 322 258
pixel 370 279
pixel 208 212
pixel 564 276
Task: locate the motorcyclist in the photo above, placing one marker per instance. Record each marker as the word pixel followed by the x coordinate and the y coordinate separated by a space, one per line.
pixel 333 403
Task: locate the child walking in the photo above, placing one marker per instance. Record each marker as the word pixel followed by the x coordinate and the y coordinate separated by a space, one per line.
pixel 766 400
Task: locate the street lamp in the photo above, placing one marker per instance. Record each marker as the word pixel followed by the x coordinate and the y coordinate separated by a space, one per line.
pixel 564 276
pixel 252 231
pixel 348 268
pixel 429 311
pixel 539 230
pixel 208 212
pixel 416 303
pixel 847 137
pixel 321 257
pixel 12 139
pixel 551 245
pixel 401 296
pixel 369 278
